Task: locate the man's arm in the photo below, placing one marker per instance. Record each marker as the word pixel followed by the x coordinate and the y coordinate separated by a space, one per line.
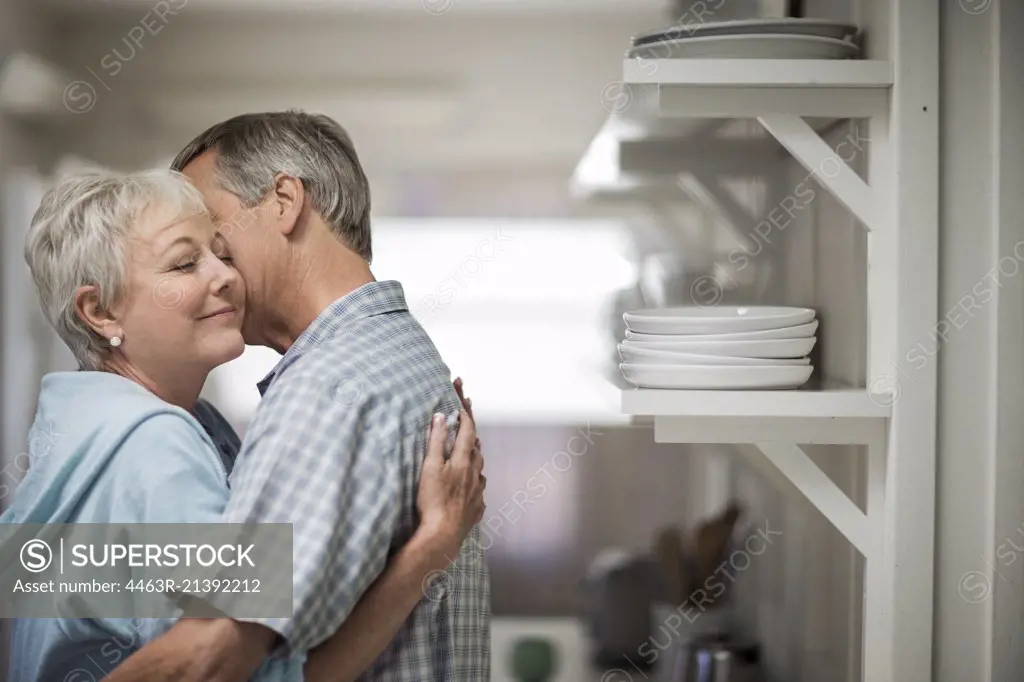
pixel 199 650
pixel 224 650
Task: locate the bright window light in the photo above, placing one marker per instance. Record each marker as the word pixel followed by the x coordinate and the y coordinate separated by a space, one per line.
pixel 516 308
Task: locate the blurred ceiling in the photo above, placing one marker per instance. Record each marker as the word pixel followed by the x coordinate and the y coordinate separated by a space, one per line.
pixel 482 88
pixel 388 6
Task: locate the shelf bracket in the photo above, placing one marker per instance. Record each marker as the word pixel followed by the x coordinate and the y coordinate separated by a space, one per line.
pixel 819 489
pixel 825 165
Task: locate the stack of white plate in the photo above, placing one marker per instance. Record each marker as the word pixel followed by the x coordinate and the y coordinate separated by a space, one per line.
pixel 722 348
pixel 794 38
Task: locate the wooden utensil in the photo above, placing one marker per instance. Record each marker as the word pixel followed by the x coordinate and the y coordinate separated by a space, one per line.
pixel 670 552
pixel 712 541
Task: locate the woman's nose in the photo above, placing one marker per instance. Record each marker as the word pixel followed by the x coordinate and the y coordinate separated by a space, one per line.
pixel 222 275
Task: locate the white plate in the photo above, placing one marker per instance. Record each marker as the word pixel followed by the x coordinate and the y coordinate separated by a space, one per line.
pixel 753 46
pixel 729 377
pixel 716 320
pixel 769 348
pixel 670 357
pixel 791 26
pixel 800 331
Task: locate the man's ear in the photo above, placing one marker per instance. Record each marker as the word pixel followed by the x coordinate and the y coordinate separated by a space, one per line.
pixel 93 314
pixel 287 201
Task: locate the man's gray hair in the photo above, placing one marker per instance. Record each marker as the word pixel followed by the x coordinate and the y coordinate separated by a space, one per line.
pixel 253 148
pixel 79 237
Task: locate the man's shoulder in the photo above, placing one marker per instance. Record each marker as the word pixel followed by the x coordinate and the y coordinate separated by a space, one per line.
pixel 390 362
pixel 367 346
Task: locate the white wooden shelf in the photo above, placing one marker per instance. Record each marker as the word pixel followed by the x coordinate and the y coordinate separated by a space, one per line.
pixel 839 402
pixel 750 88
pixel 761 73
pixel 830 416
pixel 896 202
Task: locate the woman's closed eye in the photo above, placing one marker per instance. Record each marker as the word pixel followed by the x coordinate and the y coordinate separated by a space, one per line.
pixel 187 265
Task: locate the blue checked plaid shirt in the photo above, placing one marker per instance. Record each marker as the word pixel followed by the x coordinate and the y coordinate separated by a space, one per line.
pixel 336 449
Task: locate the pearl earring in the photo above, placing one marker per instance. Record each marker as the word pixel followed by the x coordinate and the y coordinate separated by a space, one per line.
pixel 115 341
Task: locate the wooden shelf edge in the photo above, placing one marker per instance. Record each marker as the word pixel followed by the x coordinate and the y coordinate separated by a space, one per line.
pixel 829 403
pixel 760 73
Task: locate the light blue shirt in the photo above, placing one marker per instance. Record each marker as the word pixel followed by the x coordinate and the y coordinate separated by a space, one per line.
pixel 102 449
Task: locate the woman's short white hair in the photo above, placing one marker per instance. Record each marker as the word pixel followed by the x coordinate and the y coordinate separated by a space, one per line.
pixel 78 237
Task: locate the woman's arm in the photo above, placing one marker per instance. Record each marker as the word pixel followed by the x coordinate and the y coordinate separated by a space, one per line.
pixel 450 501
pixel 378 615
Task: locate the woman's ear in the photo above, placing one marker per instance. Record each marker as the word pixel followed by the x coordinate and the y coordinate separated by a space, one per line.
pixel 288 198
pixel 93 314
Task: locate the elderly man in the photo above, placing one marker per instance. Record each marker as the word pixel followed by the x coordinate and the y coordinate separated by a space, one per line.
pixel 338 464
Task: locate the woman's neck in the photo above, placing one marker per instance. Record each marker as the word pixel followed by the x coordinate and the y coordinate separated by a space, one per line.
pixel 181 388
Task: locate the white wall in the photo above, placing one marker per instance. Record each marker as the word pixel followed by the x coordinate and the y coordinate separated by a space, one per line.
pixel 23 149
pixel 1008 594
pixel 25 152
pixel 979 574
pixel 967 245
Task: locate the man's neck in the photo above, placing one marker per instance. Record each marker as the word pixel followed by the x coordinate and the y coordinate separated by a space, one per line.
pixel 329 277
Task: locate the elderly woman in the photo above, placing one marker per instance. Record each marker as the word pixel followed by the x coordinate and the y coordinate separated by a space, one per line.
pixel 137 256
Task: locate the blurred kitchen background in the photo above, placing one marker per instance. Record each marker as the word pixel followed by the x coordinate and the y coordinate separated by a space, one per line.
pixel 470 117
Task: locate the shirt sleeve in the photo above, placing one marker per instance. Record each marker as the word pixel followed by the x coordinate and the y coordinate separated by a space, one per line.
pixel 321 455
pixel 171 474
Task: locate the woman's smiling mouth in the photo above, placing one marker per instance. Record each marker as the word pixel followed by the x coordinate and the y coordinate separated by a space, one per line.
pixel 223 312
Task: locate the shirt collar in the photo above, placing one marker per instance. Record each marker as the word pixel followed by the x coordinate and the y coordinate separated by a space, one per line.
pixel 368 300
